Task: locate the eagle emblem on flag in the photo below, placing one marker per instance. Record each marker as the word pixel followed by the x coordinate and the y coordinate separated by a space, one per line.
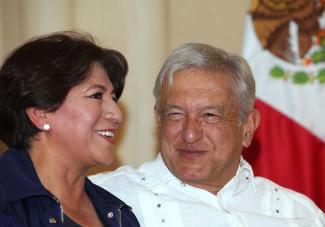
pixel 292 31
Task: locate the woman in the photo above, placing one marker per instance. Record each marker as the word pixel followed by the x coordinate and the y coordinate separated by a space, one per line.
pixel 59 116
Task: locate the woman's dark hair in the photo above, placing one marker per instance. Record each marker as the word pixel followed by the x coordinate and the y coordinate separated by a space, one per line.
pixel 41 72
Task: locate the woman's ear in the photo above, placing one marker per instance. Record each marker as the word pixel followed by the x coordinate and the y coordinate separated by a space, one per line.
pixel 39 118
pixel 250 127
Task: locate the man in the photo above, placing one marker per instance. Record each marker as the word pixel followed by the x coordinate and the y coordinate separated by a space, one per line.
pixel 205 115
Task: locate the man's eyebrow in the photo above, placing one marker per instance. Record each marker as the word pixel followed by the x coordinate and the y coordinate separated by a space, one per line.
pixel 218 107
pixel 170 106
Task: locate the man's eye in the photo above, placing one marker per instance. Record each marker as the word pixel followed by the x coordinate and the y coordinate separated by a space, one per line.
pixel 211 117
pixel 175 116
pixel 97 95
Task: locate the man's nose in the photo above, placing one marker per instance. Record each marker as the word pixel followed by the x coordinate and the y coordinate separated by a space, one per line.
pixel 192 130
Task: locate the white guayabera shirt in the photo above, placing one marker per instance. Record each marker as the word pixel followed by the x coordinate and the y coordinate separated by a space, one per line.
pixel 159 199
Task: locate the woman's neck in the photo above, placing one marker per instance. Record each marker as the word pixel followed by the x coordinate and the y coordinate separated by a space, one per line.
pixel 63 176
pixel 58 174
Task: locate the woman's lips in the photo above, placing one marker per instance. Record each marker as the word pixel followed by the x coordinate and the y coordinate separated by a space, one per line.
pixel 107 134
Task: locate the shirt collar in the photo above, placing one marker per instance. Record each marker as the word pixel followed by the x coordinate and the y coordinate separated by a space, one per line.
pixel 18 176
pixel 156 173
pixel 101 197
pixel 244 177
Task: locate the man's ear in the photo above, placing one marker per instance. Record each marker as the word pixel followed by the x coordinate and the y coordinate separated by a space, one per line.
pixel 37 116
pixel 157 115
pixel 250 126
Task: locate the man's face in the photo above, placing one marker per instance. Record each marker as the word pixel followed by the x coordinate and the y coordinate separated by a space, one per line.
pixel 200 137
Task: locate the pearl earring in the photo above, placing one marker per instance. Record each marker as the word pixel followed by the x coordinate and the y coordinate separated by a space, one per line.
pixel 46 126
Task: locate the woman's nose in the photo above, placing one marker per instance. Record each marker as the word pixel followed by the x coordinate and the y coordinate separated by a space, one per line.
pixel 112 111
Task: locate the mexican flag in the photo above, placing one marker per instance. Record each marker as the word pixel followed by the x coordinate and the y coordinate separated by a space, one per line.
pixel 285 47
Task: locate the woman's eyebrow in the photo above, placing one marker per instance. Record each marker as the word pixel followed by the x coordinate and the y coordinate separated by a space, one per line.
pixel 94 86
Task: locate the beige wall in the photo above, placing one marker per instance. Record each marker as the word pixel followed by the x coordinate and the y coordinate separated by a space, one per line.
pixel 144 30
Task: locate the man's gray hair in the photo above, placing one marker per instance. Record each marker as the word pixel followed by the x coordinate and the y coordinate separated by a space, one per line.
pixel 197 56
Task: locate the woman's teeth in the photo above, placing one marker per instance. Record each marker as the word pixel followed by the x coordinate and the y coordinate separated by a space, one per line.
pixel 106 133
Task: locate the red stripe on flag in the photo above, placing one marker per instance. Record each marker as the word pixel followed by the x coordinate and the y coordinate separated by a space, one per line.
pixel 288 154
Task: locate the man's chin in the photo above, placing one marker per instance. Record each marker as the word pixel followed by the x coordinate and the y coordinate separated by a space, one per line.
pixel 190 175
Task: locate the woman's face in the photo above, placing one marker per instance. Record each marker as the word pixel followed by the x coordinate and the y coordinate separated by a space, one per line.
pixel 83 129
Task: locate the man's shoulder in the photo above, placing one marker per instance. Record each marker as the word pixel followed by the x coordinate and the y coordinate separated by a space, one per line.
pixel 288 198
pixel 149 173
pixel 271 186
pixel 124 183
pixel 124 176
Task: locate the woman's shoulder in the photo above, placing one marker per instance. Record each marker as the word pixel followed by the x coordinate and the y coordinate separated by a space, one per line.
pixel 3 201
pixel 104 200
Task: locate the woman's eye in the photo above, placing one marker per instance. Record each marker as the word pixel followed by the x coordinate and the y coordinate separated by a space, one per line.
pixel 97 95
pixel 114 97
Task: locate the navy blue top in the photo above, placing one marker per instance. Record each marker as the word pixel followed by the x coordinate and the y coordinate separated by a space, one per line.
pixel 25 202
pixel 68 222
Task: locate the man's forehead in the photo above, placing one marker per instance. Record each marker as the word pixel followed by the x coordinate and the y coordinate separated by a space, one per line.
pixel 193 84
pixel 198 79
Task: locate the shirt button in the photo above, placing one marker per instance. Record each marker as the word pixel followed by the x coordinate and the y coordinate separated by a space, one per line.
pixel 52 220
pixel 110 214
